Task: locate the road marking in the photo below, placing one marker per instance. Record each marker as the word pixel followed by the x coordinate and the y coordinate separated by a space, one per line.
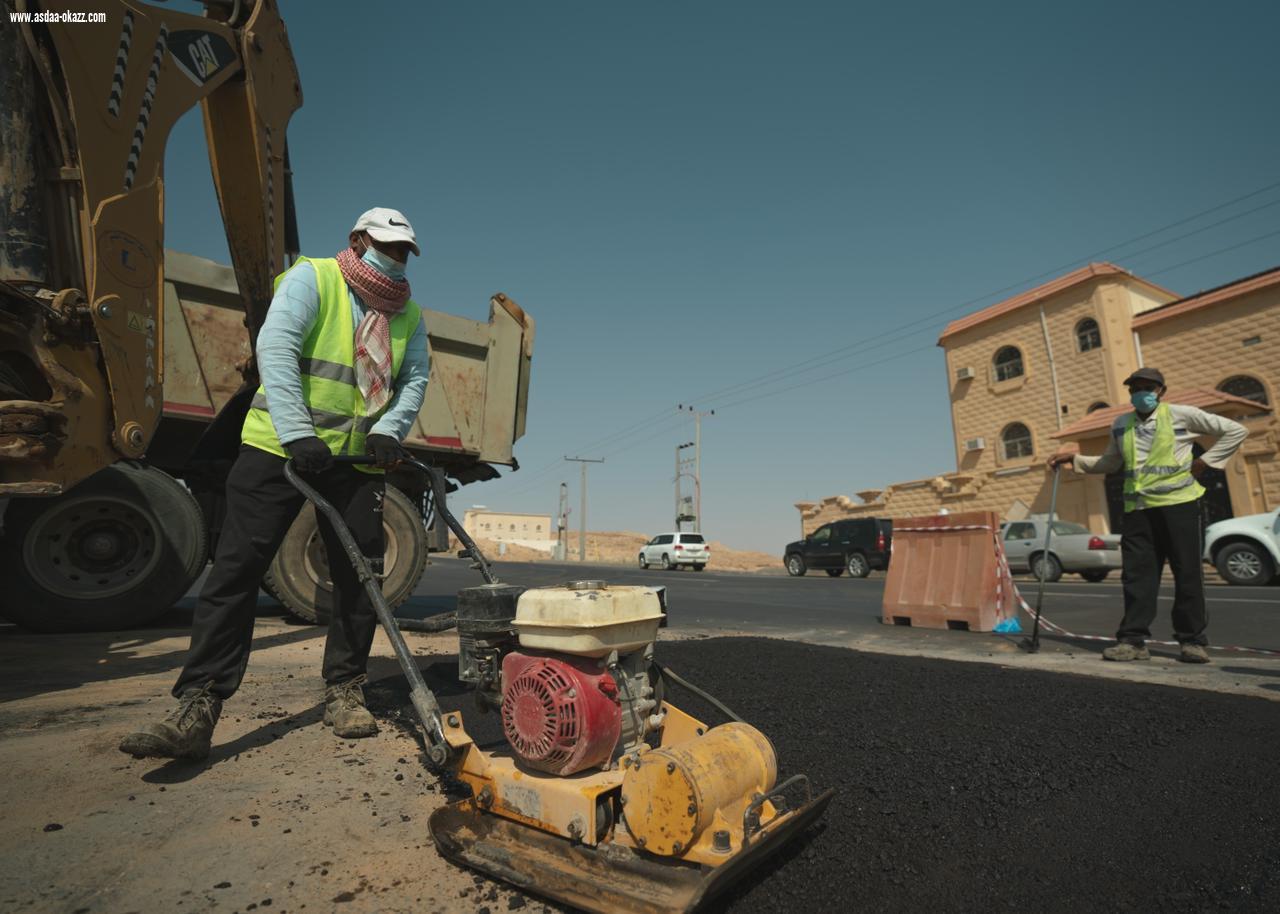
pixel 1111 596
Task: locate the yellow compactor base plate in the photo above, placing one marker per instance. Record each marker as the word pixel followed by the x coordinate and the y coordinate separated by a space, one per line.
pixel 608 878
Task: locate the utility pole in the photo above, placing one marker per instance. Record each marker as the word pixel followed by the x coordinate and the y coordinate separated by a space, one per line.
pixel 697 462
pixel 582 520
pixel 562 524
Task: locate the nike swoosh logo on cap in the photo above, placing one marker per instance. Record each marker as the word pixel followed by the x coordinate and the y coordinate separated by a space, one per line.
pixel 393 222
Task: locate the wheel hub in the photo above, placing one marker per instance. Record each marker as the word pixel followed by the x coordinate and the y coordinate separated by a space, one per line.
pixel 316 557
pixel 92 548
pixel 1244 565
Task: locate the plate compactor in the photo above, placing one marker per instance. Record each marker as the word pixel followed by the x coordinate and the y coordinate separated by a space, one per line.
pixel 605 796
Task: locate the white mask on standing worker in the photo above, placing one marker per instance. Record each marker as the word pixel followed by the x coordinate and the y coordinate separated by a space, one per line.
pixel 384 264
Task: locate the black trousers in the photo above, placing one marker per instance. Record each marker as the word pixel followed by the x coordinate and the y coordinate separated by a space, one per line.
pixel 1151 538
pixel 261 506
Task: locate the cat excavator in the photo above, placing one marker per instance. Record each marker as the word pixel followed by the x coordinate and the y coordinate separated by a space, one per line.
pixel 126 369
pixel 119 415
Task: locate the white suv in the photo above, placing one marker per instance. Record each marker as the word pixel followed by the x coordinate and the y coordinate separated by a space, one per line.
pixel 1246 550
pixel 671 550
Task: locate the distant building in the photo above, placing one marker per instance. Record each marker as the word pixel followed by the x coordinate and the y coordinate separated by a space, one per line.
pixel 1048 366
pixel 532 530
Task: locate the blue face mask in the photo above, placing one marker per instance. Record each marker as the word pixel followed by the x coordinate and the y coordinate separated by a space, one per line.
pixel 1144 401
pixel 393 269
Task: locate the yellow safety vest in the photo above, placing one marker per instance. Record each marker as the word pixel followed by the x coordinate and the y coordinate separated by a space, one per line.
pixel 328 370
pixel 1161 481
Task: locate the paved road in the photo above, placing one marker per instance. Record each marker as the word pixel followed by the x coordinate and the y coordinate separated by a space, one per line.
pixel 818 604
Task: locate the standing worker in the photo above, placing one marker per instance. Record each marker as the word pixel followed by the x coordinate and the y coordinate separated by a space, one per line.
pixel 1162 510
pixel 343 361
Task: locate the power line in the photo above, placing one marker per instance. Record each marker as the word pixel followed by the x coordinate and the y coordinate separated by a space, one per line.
pixel 1216 253
pixel 826 358
pixel 1205 228
pixel 900 332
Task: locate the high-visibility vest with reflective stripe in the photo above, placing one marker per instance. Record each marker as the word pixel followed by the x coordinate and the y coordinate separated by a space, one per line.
pixel 327 364
pixel 1161 480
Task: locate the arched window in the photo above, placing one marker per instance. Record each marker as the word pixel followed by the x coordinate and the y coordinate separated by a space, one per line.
pixel 1245 387
pixel 1101 404
pixel 1088 335
pixel 1016 441
pixel 1008 363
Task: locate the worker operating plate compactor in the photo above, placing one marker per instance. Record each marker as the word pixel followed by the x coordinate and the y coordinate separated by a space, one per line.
pixel 605 796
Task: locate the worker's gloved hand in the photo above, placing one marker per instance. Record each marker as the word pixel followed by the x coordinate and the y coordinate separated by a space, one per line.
pixel 310 455
pixel 385 450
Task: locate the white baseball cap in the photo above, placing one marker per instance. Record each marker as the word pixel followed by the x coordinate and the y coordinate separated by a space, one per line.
pixel 385 224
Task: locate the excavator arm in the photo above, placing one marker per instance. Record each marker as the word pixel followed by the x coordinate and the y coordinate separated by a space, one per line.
pixel 86 112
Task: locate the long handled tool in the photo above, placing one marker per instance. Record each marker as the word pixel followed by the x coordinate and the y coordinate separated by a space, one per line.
pixel 1032 645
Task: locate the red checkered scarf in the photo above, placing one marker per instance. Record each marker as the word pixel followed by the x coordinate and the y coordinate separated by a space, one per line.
pixel 382 296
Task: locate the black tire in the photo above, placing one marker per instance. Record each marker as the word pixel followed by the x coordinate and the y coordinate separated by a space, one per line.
pixel 299 574
pixel 699 567
pixel 666 562
pixel 113 553
pixel 795 565
pixel 1244 564
pixel 643 563
pixel 1052 570
pixel 858 565
pixel 834 572
pixel 1094 577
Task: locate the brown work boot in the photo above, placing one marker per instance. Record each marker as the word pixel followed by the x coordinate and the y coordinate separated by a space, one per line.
pixel 344 710
pixel 1126 651
pixel 1193 653
pixel 185 733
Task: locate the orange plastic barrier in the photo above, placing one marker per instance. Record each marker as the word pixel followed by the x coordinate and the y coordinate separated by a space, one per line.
pixel 945 572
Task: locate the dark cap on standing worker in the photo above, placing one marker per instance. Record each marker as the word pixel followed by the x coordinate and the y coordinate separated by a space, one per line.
pixel 1142 374
pixel 384 224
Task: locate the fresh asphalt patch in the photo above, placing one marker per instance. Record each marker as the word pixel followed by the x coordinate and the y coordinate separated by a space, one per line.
pixel 967 787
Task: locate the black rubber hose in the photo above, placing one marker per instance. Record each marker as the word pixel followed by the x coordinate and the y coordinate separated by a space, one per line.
pixel 689 686
pixel 440 623
pixel 424 702
pixel 436 478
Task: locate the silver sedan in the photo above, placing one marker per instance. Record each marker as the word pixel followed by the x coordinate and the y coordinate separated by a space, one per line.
pixel 1073 548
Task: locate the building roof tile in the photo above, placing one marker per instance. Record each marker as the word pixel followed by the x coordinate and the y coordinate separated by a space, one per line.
pixel 1210 400
pixel 1208 297
pixel 1053 286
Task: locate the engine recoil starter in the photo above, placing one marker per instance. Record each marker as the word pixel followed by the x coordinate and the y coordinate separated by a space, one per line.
pixel 560 714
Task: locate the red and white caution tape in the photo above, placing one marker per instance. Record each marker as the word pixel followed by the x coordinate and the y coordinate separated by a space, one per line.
pixel 1056 629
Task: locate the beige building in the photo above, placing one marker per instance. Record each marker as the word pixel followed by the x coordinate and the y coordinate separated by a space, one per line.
pixel 504 527
pixel 1047 368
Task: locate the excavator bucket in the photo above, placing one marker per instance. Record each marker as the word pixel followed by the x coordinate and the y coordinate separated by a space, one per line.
pixel 608 878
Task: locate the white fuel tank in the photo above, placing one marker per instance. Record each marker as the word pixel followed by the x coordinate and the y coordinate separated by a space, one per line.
pixel 588 618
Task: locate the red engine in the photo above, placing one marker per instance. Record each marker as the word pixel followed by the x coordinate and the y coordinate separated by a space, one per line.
pixel 560 713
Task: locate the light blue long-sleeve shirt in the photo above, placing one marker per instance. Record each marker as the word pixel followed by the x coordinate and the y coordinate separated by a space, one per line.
pixel 293 312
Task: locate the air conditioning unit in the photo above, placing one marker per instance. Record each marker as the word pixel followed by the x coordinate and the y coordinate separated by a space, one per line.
pixel 964 374
pixel 975 444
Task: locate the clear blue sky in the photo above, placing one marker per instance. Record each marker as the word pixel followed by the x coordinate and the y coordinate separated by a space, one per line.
pixel 690 196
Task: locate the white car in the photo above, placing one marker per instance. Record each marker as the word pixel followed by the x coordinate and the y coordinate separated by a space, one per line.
pixel 1245 550
pixel 671 550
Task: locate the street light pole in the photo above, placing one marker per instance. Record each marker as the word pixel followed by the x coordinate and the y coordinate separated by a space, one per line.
pixel 697 462
pixel 680 474
pixel 582 520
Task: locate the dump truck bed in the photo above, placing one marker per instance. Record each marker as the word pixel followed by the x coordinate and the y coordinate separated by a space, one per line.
pixel 476 398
